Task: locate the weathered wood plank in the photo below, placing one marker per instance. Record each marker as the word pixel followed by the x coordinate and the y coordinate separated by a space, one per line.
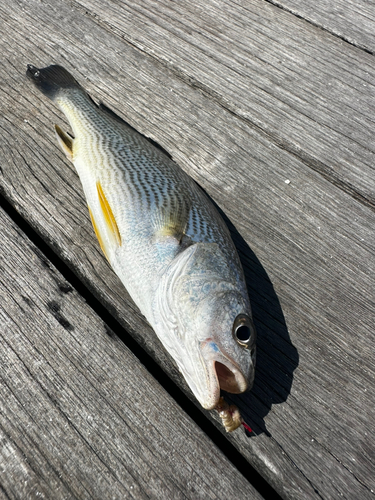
pixel 311 92
pixel 314 241
pixel 351 20
pixel 80 416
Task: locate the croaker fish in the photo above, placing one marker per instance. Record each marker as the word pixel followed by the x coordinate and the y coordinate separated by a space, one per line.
pixel 164 239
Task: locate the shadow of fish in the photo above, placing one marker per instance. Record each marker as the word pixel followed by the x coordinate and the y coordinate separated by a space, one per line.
pixel 164 239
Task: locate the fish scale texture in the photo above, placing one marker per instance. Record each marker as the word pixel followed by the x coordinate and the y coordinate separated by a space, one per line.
pixel 141 183
pixel 164 239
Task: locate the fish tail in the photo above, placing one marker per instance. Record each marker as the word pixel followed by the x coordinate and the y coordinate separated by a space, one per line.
pixel 52 80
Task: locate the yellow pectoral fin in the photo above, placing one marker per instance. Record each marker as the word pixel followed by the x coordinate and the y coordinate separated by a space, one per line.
pixel 65 141
pixel 169 231
pixel 109 218
pixel 170 222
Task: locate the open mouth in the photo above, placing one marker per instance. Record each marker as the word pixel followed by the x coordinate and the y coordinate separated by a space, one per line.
pixel 227 379
pixel 230 380
pixel 221 373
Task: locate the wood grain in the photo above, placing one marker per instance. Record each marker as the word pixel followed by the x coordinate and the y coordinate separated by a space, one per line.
pixel 351 20
pixel 310 267
pixel 311 93
pixel 80 416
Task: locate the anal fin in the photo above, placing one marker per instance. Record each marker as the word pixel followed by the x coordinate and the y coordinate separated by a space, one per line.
pixel 105 225
pixel 65 141
pixel 109 218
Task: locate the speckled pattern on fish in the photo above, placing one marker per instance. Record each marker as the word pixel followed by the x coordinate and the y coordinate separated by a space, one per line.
pixel 164 239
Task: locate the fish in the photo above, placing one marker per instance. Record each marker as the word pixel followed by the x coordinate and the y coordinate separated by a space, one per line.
pixel 164 238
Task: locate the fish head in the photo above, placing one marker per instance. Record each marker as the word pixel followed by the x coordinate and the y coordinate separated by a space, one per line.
pixel 202 315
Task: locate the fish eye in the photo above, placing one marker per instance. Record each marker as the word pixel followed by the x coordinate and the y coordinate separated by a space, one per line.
pixel 244 331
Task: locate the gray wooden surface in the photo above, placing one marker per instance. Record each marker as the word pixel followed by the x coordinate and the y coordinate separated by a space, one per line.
pixel 351 20
pixel 80 416
pixel 242 110
pixel 305 89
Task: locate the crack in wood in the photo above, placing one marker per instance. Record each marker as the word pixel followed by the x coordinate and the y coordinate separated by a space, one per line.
pixel 320 26
pixel 314 163
pixel 49 258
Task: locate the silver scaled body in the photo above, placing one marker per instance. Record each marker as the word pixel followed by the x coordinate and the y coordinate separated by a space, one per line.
pixel 167 243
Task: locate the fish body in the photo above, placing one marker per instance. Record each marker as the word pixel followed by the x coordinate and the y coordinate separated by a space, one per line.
pixel 164 239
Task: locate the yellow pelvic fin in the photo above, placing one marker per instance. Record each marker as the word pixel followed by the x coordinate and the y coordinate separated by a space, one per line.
pixel 65 141
pixel 98 234
pixel 108 215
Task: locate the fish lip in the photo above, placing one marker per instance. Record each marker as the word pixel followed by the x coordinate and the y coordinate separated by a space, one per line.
pixel 213 384
pixel 207 395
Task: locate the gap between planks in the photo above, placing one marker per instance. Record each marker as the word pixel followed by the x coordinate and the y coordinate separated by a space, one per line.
pixel 231 453
pixel 26 205
pixel 359 41
pixel 330 160
pixel 81 417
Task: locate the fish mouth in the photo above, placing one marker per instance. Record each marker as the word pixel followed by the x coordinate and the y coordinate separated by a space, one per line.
pixel 225 375
pixel 230 379
pixel 221 373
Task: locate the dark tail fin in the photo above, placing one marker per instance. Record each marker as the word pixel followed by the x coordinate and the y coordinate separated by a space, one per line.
pixel 51 80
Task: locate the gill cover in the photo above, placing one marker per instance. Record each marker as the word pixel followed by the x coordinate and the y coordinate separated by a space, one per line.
pixel 196 304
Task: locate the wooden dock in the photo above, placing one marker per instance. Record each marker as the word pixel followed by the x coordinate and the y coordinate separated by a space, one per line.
pixel 269 106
